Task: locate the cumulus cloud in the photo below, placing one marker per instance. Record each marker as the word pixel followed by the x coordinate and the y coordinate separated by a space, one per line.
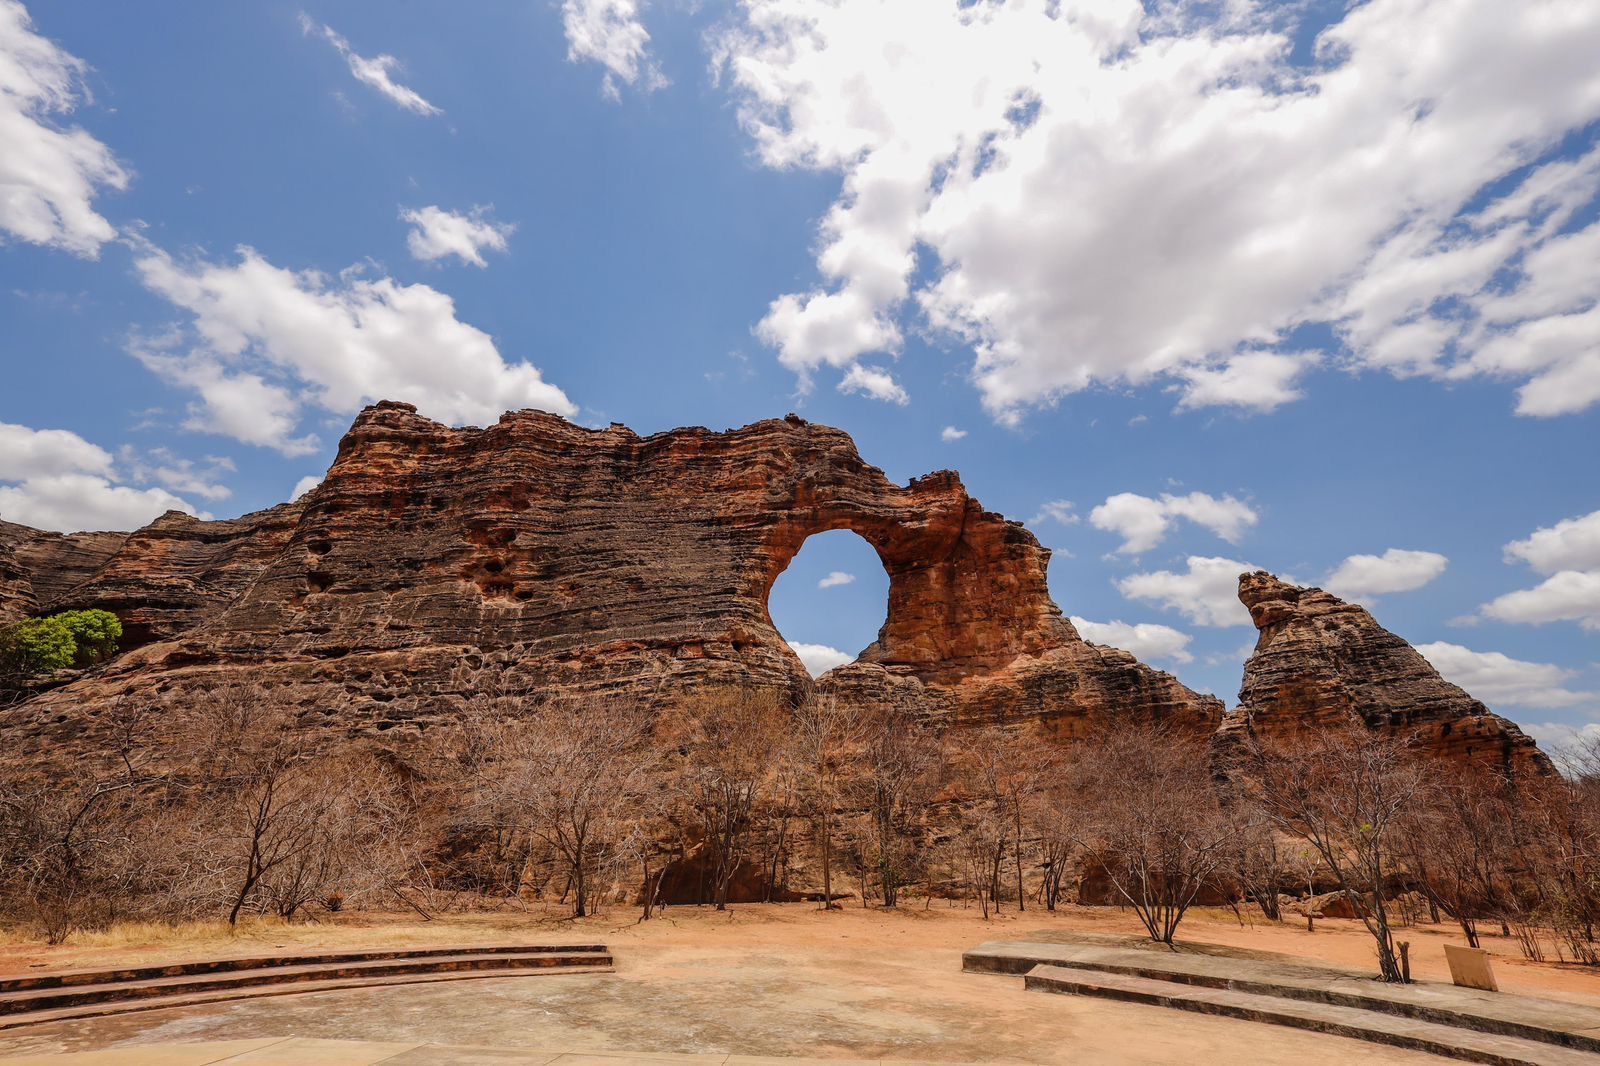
pixel 1143 522
pixel 835 579
pixel 1207 593
pixel 305 485
pixel 1562 741
pixel 1499 679
pixel 54 479
pixel 49 174
pixel 950 434
pixel 610 32
pixel 878 384
pixel 1569 552
pixel 1568 596
pixel 161 466
pixel 1571 544
pixel 26 453
pixel 1255 381
pixel 376 72
pixel 264 343
pixel 436 233
pixel 1364 577
pixel 1058 511
pixel 819 658
pixel 1147 640
pixel 1115 193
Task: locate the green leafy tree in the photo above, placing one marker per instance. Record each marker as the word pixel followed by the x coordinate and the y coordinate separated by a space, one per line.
pixel 40 646
pixel 95 634
pixel 37 646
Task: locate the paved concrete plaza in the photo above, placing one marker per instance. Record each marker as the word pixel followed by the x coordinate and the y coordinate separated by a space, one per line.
pixel 849 988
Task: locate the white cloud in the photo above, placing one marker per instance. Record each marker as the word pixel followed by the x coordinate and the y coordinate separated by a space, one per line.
pixel 266 342
pixel 1560 740
pixel 1058 511
pixel 1111 193
pixel 1567 596
pixel 1571 544
pixel 1364 577
pixel 1147 640
pixel 305 485
pixel 54 479
pixel 1569 552
pixel 68 503
pixel 1256 381
pixel 1207 593
pixel 1498 679
pixel 160 466
pixel 875 383
pixel 436 233
pixel 950 434
pixel 609 32
pixel 819 658
pixel 375 72
pixel 835 579
pixel 49 175
pixel 1143 522
pixel 26 453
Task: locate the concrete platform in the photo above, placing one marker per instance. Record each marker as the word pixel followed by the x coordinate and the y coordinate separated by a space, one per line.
pixel 300 1051
pixel 34 999
pixel 1467 1045
pixel 1325 999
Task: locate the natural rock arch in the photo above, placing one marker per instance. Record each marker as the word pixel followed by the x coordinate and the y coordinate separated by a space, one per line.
pixel 598 560
pixel 855 647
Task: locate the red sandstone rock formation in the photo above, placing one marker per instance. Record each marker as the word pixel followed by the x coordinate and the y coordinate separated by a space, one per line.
pixel 37 568
pixel 579 560
pixel 178 571
pixel 1321 662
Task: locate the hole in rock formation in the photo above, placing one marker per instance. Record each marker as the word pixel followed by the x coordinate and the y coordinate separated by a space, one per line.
pixel 831 600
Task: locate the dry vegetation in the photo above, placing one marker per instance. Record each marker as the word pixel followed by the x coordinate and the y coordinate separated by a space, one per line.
pixel 229 808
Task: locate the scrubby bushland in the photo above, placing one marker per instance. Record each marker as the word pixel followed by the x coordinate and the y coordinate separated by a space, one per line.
pixel 234 804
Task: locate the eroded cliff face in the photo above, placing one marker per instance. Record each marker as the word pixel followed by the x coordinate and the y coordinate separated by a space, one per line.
pixel 37 568
pixel 1323 663
pixel 576 560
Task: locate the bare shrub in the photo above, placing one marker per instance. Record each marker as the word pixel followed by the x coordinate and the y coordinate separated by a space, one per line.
pixel 734 750
pixel 1467 848
pixel 1157 827
pixel 899 772
pixel 566 775
pixel 826 737
pixel 271 821
pixel 1347 793
pixel 77 851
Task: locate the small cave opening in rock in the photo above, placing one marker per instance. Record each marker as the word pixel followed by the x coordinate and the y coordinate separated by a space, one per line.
pixel 831 601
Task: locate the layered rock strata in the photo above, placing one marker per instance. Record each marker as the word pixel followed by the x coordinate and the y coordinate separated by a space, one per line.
pixel 1322 663
pixel 575 560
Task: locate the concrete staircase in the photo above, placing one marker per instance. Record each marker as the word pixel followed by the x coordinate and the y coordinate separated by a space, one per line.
pixel 1458 1023
pixel 48 997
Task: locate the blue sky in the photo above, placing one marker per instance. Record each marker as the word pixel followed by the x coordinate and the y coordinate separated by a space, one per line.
pixel 1183 286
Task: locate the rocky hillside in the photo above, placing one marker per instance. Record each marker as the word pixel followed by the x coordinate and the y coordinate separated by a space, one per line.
pixel 567 560
pixel 572 560
pixel 1321 662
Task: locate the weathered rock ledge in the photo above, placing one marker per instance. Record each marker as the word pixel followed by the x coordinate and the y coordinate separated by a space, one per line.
pixel 1323 663
pixel 575 560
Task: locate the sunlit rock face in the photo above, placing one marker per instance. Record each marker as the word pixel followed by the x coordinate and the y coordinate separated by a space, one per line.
pixel 1321 663
pixel 571 560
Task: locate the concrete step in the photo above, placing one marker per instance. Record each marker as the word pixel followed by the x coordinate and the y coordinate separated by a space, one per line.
pixel 62 978
pixel 104 1008
pixel 1502 1014
pixel 1374 1026
pixel 37 999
